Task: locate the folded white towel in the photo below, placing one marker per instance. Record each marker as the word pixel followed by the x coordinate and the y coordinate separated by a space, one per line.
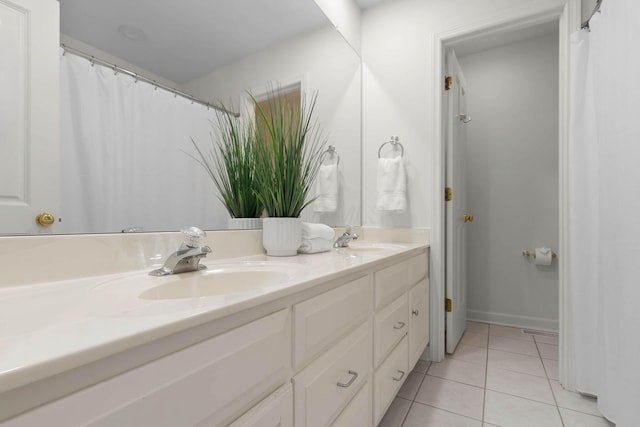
pixel 392 185
pixel 313 246
pixel 326 189
pixel 315 231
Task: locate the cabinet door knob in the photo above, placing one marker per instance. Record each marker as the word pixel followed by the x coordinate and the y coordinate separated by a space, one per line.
pixel 400 377
pixel 44 219
pixel 399 325
pixel 354 375
pixel 415 312
pixel 468 218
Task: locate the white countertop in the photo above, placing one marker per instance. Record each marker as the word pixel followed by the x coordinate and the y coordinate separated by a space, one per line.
pixel 50 328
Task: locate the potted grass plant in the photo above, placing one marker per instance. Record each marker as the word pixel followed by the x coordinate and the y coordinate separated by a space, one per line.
pixel 230 162
pixel 289 150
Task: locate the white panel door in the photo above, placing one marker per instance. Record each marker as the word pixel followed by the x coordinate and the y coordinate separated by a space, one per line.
pixel 29 114
pixel 457 217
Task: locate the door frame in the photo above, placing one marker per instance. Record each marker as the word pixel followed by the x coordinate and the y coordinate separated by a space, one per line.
pixel 567 14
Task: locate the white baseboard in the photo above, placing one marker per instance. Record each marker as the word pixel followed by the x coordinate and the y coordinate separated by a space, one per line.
pixel 528 322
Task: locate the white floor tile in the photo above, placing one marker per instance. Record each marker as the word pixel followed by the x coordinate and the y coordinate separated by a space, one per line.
pixel 471 338
pixel 471 353
pixel 513 345
pixel 521 385
pixel 546 339
pixel 451 396
pixel 427 416
pixel 579 419
pixel 507 411
pixel 548 351
pixel 422 366
pixel 477 327
pixel 411 385
pixel 396 413
pixel 577 402
pixel 516 362
pixel 459 370
pixel 509 332
pixel 551 366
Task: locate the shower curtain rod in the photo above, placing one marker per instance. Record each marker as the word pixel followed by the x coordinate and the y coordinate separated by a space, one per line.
pixel 596 9
pixel 117 69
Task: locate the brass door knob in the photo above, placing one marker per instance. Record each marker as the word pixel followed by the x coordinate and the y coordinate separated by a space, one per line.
pixel 468 218
pixel 44 219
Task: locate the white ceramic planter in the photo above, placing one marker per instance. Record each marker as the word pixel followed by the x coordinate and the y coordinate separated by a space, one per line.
pixel 245 223
pixel 281 236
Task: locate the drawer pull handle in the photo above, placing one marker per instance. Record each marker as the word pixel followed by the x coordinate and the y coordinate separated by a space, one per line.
pixel 400 377
pixel 415 312
pixel 400 325
pixel 354 375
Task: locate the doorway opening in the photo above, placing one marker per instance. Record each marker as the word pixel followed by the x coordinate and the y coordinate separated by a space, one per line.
pixel 503 168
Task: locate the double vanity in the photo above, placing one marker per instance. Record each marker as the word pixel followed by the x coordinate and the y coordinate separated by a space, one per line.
pixel 311 340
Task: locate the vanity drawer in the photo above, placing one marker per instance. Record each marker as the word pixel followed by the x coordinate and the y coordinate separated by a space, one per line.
pixel 329 383
pixel 212 382
pixel 418 320
pixel 359 411
pixel 391 324
pixel 321 320
pixel 274 411
pixel 389 378
pixel 418 268
pixel 390 283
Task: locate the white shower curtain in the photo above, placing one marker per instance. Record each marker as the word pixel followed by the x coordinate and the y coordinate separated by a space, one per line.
pixel 605 204
pixel 122 164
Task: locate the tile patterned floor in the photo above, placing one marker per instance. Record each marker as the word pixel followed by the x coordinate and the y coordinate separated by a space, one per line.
pixel 498 376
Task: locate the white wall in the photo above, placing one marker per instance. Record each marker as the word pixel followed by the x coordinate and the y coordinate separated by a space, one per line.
pixel 325 63
pixel 397 50
pixel 512 172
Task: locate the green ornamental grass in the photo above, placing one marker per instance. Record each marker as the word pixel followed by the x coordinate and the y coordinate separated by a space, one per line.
pixel 289 150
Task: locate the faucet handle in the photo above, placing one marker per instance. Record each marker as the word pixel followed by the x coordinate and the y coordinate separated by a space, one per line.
pixel 348 228
pixel 192 236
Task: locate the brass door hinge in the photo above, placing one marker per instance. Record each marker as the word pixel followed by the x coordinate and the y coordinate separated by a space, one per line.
pixel 448 305
pixel 448 194
pixel 448 81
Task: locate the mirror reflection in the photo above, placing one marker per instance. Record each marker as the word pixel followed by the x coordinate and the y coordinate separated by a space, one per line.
pixel 123 165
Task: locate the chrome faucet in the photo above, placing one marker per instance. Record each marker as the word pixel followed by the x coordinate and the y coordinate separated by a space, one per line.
pixel 188 255
pixel 347 236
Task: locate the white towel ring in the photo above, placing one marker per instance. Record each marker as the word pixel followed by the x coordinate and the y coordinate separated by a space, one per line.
pixel 394 141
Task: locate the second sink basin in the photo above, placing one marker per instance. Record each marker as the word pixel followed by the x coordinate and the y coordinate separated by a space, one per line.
pixel 215 282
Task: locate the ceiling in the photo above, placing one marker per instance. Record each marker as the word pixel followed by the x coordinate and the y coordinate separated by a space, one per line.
pixel 181 41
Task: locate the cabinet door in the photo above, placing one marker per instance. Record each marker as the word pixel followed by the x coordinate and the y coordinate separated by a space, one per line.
pixel 359 411
pixel 389 378
pixel 29 114
pixel 210 383
pixel 390 326
pixel 274 411
pixel 322 320
pixel 390 283
pixel 325 387
pixel 418 320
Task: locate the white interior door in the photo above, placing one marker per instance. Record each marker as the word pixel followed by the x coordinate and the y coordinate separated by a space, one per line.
pixel 457 218
pixel 29 115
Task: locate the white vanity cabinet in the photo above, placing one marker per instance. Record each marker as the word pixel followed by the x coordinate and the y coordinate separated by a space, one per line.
pixel 333 354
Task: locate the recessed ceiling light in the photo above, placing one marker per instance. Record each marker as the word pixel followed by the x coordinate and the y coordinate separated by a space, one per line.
pixel 132 32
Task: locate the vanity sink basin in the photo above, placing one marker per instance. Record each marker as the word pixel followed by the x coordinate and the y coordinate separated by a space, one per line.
pixel 141 293
pixel 358 247
pixel 215 282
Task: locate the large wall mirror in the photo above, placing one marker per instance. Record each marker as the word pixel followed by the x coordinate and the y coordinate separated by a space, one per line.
pixel 114 179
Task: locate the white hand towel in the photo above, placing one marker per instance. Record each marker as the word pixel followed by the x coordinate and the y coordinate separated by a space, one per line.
pixel 326 189
pixel 315 231
pixel 313 246
pixel 392 185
